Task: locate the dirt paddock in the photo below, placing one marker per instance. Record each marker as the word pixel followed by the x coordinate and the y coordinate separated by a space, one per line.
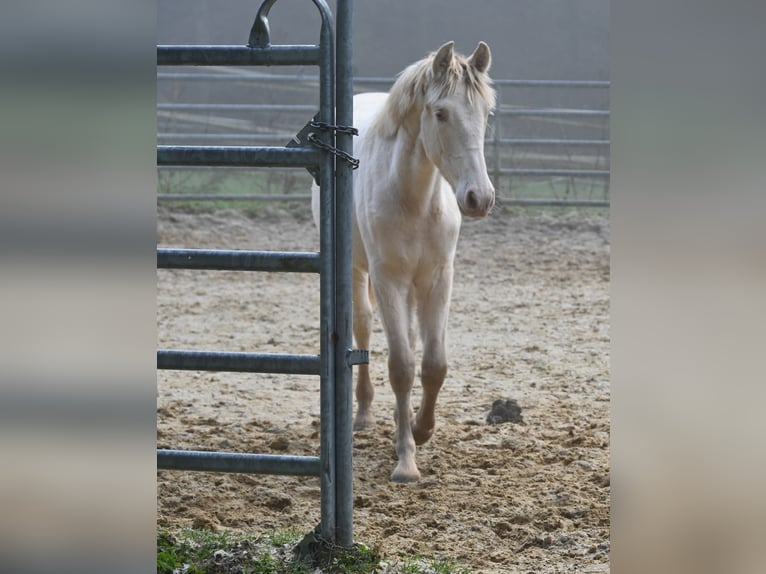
pixel 529 321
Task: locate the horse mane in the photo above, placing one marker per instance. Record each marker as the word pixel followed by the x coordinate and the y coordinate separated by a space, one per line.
pixel 415 86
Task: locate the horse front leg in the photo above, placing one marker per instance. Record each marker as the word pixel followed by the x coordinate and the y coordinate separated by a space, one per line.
pixel 396 317
pixel 433 311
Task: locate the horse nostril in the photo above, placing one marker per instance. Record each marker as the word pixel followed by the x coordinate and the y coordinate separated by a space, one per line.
pixel 471 201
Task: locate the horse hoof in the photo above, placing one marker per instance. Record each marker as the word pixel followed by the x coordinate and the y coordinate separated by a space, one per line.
pixel 363 422
pixel 405 475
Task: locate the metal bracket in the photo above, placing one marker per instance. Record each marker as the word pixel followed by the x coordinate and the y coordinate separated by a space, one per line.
pixel 301 139
pixel 357 357
pixel 260 35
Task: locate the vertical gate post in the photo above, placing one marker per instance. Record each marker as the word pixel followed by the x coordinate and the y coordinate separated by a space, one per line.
pixel 327 243
pixel 343 318
pixel 496 141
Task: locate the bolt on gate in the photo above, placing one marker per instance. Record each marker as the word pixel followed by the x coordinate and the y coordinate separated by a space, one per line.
pixel 327 155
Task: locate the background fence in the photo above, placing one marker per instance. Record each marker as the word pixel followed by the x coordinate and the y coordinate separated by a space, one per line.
pixel 548 144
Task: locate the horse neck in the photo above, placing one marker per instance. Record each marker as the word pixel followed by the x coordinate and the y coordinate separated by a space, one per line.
pixel 419 179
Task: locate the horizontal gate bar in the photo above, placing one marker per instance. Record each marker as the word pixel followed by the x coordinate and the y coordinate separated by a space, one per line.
pixel 554 202
pixel 281 138
pixel 286 137
pixel 551 112
pixel 213 197
pixel 241 156
pixel 238 362
pixel 535 142
pixel 531 201
pixel 239 107
pixel 224 260
pixel 257 76
pixel 562 172
pixel 238 56
pixel 236 462
pixel 554 83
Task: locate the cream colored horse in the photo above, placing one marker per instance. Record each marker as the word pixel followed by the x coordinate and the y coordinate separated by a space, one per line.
pixel 421 152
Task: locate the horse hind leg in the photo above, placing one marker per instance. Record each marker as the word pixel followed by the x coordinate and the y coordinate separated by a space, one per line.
pixel 363 311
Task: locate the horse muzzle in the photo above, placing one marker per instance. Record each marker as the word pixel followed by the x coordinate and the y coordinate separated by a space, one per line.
pixel 476 202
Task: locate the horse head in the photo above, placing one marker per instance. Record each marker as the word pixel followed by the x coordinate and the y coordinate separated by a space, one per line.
pixel 458 99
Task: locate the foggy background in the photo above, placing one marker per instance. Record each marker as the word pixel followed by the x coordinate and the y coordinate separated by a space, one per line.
pixel 541 39
pixel 544 40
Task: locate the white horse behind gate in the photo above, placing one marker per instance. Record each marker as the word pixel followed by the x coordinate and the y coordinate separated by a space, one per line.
pixel 421 153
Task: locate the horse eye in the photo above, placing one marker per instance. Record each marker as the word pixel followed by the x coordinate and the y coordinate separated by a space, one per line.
pixel 442 115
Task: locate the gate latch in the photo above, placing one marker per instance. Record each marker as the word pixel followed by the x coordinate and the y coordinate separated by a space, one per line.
pixel 357 357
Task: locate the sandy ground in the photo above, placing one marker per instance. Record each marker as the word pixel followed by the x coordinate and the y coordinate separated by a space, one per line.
pixel 529 321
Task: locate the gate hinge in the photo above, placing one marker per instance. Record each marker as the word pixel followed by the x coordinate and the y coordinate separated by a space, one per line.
pixel 357 357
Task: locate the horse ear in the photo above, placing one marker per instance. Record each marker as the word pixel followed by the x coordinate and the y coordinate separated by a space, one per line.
pixel 481 58
pixel 443 59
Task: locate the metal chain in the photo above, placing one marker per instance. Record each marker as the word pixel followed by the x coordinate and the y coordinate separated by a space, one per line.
pixel 324 126
pixel 348 158
pixel 338 129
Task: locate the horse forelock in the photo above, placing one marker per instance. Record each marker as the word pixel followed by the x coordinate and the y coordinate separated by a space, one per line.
pixel 478 85
pixel 416 85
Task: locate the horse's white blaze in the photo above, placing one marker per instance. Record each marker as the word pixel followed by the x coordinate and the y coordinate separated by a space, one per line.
pixel 421 152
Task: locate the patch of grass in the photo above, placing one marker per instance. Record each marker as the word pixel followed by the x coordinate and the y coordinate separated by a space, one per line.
pixel 446 566
pixel 199 551
pixel 422 565
pixel 282 537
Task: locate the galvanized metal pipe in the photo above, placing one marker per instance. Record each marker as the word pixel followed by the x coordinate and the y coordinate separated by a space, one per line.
pixel 553 142
pixel 494 141
pixel 239 107
pixel 344 94
pixel 239 260
pixel 239 75
pixel 326 277
pixel 237 462
pixel 553 202
pixel 223 197
pixel 171 359
pixel 220 137
pixel 557 172
pixel 496 136
pixel 552 112
pixel 237 56
pixel 600 84
pixel 253 156
pixel 520 201
pixel 507 111
pixel 282 138
pixel 255 76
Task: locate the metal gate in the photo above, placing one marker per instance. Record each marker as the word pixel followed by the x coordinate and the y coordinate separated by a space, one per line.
pixel 333 262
